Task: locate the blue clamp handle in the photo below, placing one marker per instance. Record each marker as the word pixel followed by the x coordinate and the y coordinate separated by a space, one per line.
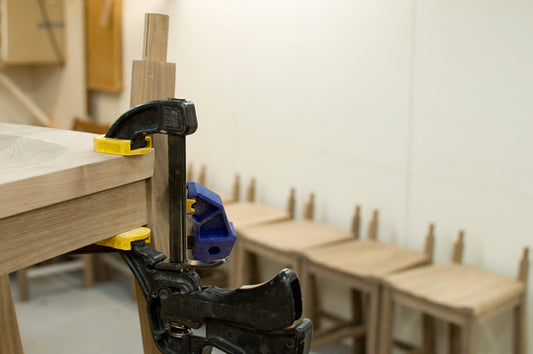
pixel 214 236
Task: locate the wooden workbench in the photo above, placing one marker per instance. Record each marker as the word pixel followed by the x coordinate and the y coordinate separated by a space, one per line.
pixel 57 195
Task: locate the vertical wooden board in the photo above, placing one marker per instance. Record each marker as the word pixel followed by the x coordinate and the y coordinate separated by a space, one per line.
pixel 104 45
pixel 153 78
pixel 10 342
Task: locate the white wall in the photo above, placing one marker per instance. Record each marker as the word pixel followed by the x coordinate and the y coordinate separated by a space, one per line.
pixel 421 109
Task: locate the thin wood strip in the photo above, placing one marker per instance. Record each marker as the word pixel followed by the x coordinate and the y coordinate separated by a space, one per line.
pixel 429 245
pixel 343 278
pixel 287 259
pixel 190 177
pixel 333 317
pixel 440 311
pixel 310 208
pixel 43 118
pixel 250 192
pixel 155 37
pixel 458 246
pixel 500 308
pixel 237 188
pixel 404 345
pixel 373 226
pixel 201 177
pixel 523 266
pixel 62 267
pixel 335 334
pixel 356 222
pixel 291 203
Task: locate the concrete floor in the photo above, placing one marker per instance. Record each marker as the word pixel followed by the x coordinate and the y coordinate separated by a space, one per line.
pixel 63 317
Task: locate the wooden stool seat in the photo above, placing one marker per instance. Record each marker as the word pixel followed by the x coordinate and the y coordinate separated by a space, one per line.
pixel 459 287
pixel 294 236
pixel 226 198
pixel 245 214
pixel 366 258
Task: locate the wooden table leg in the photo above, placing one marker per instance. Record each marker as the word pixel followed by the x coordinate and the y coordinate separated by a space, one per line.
pixel 23 285
pixel 88 270
pixel 10 342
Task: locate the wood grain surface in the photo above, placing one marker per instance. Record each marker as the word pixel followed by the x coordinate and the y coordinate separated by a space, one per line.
pixel 458 286
pixel 366 258
pixel 294 235
pixel 44 166
pixel 50 231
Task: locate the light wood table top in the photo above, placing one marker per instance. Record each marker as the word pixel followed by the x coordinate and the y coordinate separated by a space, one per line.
pixel 366 258
pixel 57 195
pixel 458 286
pixel 294 235
pixel 244 214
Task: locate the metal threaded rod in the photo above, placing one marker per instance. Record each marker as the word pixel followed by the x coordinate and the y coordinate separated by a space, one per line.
pixel 177 206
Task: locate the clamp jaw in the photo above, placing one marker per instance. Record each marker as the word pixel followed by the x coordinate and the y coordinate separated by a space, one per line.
pixel 243 320
pixel 236 321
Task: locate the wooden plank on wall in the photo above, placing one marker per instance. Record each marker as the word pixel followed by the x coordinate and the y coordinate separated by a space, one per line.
pixel 104 45
pixel 32 32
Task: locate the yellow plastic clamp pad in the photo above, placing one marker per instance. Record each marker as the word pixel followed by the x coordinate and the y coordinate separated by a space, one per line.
pixel 123 241
pixel 190 202
pixel 120 146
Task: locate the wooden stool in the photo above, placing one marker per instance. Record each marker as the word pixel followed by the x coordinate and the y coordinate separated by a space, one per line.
pixel 201 179
pixel 85 263
pixel 361 265
pixel 461 295
pixel 284 242
pixel 246 214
